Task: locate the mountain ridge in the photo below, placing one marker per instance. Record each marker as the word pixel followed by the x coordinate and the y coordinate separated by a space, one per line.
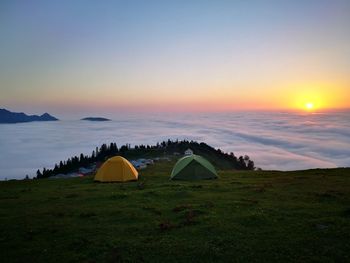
pixel 7 116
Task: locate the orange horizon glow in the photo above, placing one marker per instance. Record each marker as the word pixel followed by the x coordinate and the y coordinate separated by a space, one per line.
pixel 302 96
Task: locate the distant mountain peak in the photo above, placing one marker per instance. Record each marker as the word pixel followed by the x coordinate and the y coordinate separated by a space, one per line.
pixel 7 116
pixel 4 110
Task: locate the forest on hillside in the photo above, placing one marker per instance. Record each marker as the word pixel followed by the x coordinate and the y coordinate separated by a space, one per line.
pixel 220 159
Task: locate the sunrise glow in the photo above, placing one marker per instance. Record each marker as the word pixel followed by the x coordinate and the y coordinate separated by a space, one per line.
pixel 98 63
pixel 309 105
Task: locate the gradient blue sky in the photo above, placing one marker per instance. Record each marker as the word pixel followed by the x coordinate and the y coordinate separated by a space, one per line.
pixel 75 57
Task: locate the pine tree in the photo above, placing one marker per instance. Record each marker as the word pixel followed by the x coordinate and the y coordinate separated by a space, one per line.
pixel 39 174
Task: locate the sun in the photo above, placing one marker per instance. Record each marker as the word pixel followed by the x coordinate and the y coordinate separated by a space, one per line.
pixel 309 105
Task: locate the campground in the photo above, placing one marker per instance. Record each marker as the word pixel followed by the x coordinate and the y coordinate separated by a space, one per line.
pixel 244 216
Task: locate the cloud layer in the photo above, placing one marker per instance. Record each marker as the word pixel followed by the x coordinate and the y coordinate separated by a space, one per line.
pixel 284 141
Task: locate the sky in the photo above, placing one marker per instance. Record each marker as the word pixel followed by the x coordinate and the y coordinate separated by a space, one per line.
pixel 94 57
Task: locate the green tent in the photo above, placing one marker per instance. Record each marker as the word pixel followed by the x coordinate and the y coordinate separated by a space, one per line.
pixel 193 167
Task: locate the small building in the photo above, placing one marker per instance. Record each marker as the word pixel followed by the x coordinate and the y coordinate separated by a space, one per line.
pixel 84 170
pixel 148 162
pixel 142 166
pixel 140 163
pixel 135 163
pixel 188 152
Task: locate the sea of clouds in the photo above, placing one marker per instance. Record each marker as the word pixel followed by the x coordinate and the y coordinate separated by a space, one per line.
pixel 283 141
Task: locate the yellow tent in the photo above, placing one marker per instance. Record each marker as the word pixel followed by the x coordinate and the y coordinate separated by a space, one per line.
pixel 116 169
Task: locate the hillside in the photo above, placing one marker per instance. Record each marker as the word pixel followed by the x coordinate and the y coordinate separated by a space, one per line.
pixel 168 149
pixel 17 117
pixel 245 216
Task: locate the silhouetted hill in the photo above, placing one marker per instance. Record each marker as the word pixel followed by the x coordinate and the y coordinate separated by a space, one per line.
pixel 95 119
pixel 16 117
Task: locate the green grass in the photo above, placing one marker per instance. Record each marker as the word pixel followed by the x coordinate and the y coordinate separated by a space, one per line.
pixel 261 216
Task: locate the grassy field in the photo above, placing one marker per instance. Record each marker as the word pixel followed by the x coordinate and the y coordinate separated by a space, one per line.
pixel 261 216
